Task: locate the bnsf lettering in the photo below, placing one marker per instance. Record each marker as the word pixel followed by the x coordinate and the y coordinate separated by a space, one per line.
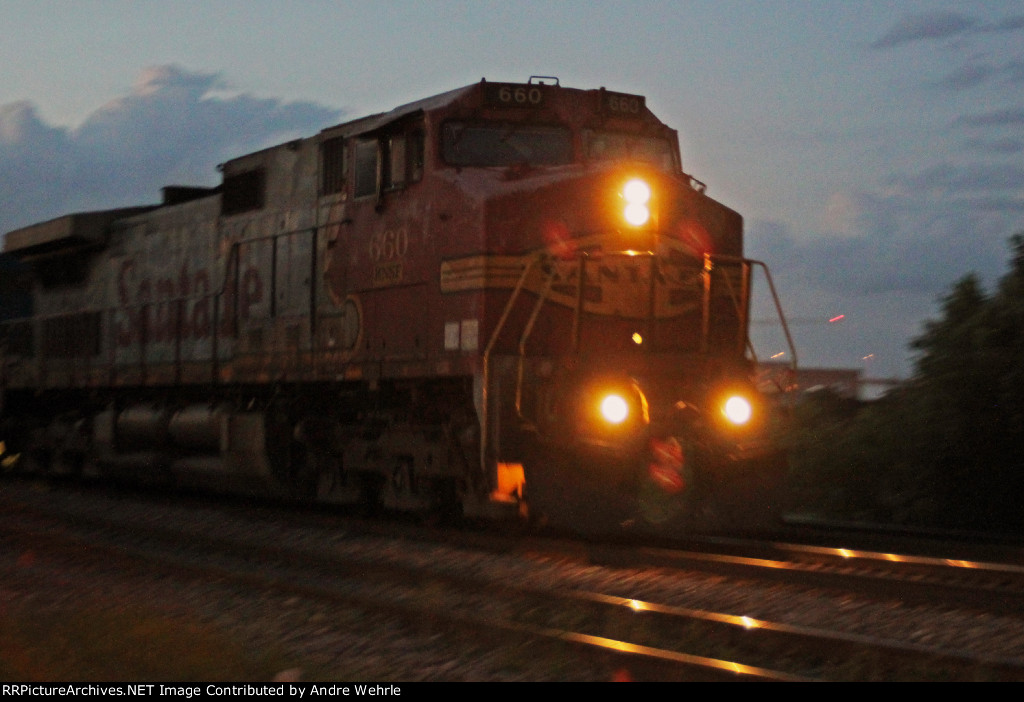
pixel 387 274
pixel 180 307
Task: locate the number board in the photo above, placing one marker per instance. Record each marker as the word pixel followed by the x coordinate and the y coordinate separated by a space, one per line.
pixel 623 104
pixel 514 95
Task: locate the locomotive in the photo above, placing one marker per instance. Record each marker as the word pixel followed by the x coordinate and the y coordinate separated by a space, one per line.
pixel 506 298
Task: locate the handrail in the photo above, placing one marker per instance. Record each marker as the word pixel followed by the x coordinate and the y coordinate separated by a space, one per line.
pixel 486 358
pixel 743 340
pixel 778 310
pixel 527 332
pixel 709 260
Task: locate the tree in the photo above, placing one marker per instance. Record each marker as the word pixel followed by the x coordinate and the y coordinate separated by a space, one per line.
pixel 948 446
pixel 967 397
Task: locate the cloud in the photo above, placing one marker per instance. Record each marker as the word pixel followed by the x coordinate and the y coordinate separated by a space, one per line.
pixel 973 74
pixel 1000 146
pixel 969 75
pixel 950 179
pixel 923 233
pixel 1002 205
pixel 170 128
pixel 1013 23
pixel 942 25
pixel 1015 71
pixel 35 168
pixel 841 214
pixel 977 72
pixel 885 278
pixel 1008 117
pixel 928 25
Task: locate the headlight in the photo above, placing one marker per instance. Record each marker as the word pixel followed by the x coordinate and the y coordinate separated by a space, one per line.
pixel 637 195
pixel 614 409
pixel 737 409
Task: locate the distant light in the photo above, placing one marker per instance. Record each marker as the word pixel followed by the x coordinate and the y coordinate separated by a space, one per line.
pixel 837 318
pixel 637 339
pixel 780 354
pixel 868 357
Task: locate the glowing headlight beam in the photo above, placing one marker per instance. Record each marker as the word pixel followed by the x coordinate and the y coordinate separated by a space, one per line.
pixel 637 194
pixel 637 215
pixel 737 410
pixel 614 409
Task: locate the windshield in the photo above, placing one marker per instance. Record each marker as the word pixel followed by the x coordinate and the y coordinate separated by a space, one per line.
pixel 615 146
pixel 505 145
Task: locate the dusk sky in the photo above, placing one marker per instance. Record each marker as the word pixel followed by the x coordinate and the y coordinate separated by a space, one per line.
pixel 875 149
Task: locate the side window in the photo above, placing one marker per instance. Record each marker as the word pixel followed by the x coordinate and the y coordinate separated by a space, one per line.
pixel 332 166
pixel 366 168
pixel 394 160
pixel 395 177
pixel 404 159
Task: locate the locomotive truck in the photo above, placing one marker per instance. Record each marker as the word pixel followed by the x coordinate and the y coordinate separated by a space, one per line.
pixel 509 297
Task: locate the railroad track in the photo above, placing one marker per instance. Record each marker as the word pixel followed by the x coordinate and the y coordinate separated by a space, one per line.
pixel 995 587
pixel 606 611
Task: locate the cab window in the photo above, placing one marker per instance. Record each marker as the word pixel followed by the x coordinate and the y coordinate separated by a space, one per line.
pixel 366 159
pixel 332 166
pixel 615 146
pixel 495 144
pixel 391 161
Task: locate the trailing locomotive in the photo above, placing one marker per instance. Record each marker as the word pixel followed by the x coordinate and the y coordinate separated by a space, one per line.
pixel 507 297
